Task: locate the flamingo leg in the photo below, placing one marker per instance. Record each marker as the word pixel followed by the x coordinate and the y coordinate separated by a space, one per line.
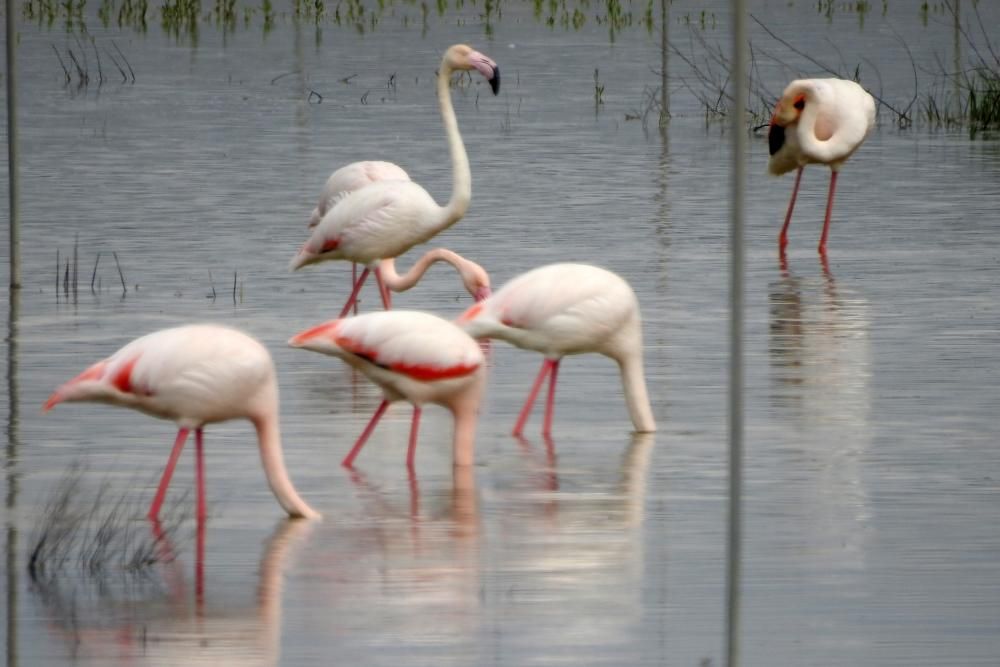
pixel 383 290
pixel 532 395
pixel 199 473
pixel 829 209
pixel 354 293
pixel 349 459
pixel 783 237
pixel 414 427
pixel 550 399
pixel 168 472
pixel 354 280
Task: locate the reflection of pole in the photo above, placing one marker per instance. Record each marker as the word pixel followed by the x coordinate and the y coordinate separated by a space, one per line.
pixel 15 223
pixel 664 43
pixel 12 475
pixel 739 147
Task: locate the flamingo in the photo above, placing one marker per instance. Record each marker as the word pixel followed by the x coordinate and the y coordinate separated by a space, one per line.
pixel 347 179
pixel 474 277
pixel 820 121
pixel 386 218
pixel 194 375
pixel 564 309
pixel 412 356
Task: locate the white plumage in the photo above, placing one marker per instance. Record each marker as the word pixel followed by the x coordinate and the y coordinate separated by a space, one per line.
pixel 565 309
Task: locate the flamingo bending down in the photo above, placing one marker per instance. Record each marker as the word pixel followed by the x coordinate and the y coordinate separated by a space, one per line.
pixel 474 277
pixel 386 218
pixel 563 309
pixel 347 179
pixel 412 356
pixel 194 375
pixel 817 121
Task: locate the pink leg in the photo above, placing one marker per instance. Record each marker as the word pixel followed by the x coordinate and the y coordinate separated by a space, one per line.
pixel 168 472
pixel 829 209
pixel 349 459
pixel 354 281
pixel 354 293
pixel 532 395
pixel 199 473
pixel 783 237
pixel 383 291
pixel 551 399
pixel 414 427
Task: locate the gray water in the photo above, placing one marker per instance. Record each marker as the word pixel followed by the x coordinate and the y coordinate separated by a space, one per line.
pixel 872 489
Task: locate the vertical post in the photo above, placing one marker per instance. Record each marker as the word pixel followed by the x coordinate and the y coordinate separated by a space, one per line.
pixel 15 223
pixel 738 132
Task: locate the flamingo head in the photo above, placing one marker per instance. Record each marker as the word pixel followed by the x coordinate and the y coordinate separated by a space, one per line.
pixel 463 57
pixel 786 112
pixel 320 338
pixel 476 280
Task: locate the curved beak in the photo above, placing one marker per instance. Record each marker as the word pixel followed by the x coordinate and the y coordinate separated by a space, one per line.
pixel 482 293
pixel 494 81
pixel 775 137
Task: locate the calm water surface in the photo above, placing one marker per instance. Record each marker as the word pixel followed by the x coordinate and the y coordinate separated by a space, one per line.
pixel 872 465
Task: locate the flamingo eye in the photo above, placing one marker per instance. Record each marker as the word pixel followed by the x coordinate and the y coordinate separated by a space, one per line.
pixel 800 103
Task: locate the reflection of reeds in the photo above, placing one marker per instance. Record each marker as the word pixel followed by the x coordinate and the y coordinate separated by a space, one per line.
pixel 97 535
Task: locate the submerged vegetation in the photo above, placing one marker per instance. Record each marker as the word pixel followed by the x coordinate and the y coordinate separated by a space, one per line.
pixel 961 94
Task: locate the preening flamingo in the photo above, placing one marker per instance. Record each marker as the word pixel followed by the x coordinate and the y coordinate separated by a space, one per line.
pixel 817 121
pixel 386 218
pixel 412 356
pixel 564 309
pixel 194 375
pixel 349 178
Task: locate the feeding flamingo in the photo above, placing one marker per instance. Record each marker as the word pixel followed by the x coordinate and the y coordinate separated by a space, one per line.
pixel 412 356
pixel 564 309
pixel 349 178
pixel 386 218
pixel 194 375
pixel 817 121
pixel 474 277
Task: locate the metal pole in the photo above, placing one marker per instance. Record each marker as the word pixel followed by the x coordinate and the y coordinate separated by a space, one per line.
pixel 15 222
pixel 738 131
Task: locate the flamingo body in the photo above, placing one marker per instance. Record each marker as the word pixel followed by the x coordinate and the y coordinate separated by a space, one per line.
pixel 566 309
pixel 194 375
pixel 351 177
pixel 817 121
pixel 412 356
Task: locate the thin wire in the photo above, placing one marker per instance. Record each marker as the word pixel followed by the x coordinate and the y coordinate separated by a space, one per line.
pixel 738 133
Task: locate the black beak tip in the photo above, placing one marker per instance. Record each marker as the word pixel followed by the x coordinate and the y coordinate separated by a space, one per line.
pixel 495 81
pixel 775 138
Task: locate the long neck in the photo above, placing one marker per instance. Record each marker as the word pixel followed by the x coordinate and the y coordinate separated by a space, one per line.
pixel 272 459
pixel 401 283
pixel 461 191
pixel 636 397
pixel 822 151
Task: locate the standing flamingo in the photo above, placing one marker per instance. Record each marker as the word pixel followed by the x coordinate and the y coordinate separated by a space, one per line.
pixel 386 218
pixel 412 356
pixel 349 178
pixel 563 309
pixel 194 375
pixel 817 121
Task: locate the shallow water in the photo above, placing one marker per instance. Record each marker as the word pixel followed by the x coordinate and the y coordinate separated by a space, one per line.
pixel 872 467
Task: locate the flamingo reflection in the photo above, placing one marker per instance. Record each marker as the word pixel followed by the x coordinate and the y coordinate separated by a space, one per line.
pixel 156 628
